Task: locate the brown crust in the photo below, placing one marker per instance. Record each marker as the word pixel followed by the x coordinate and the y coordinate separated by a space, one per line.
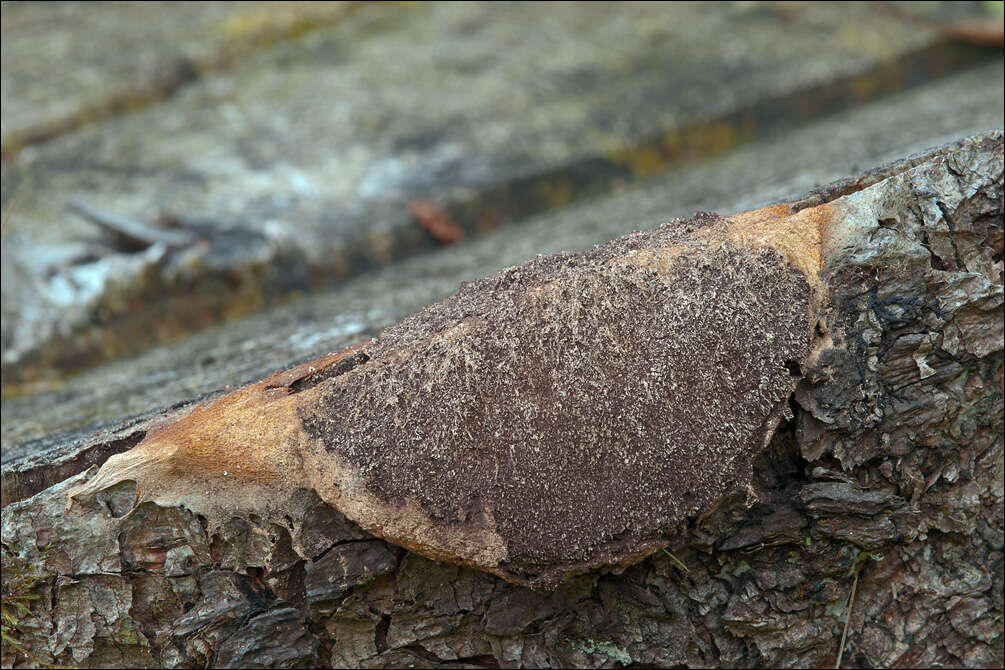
pixel 578 407
pixel 570 413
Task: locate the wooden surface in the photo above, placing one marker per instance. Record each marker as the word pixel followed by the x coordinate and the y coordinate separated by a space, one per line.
pixel 251 348
pixel 294 167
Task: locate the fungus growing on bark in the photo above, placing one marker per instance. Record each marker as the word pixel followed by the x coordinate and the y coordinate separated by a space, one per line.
pixel 571 413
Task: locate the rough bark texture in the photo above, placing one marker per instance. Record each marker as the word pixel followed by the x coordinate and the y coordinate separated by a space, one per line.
pixel 889 476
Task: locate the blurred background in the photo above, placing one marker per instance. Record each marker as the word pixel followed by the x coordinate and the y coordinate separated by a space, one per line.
pixel 195 194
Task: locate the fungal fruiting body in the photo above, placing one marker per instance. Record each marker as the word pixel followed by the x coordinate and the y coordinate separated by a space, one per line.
pixel 567 414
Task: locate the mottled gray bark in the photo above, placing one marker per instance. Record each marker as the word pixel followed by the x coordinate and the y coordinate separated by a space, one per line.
pixel 888 478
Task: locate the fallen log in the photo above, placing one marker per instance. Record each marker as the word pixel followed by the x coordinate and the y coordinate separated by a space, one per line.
pixel 700 440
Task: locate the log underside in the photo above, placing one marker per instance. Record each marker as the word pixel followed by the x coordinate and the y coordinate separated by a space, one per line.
pixel 887 476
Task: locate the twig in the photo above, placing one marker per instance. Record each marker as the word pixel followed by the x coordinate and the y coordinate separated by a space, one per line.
pixel 6 216
pixel 847 616
pixel 133 232
pixel 679 563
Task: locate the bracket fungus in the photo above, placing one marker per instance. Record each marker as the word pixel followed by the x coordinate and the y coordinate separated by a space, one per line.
pixel 568 414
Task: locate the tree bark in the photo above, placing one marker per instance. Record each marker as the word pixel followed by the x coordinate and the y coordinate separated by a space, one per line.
pixel 877 508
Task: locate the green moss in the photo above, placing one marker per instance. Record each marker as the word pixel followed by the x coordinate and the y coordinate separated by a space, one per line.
pixel 16 596
pixel 21 580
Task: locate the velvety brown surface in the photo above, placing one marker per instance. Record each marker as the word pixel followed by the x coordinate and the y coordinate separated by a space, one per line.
pixel 581 406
